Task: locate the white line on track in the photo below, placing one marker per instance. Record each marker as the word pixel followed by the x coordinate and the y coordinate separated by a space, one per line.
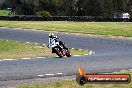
pixel 0 60
pixel 76 55
pixel 59 73
pixel 35 30
pixel 85 54
pixel 40 57
pixel 40 75
pixel 8 59
pixel 130 69
pixel 27 42
pixel 107 73
pixel 3 27
pixel 17 28
pixel 36 43
pixel 25 58
pixel 123 70
pixel 49 74
pixel 91 52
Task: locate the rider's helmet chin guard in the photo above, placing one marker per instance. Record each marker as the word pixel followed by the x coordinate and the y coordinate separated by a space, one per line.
pixel 51 35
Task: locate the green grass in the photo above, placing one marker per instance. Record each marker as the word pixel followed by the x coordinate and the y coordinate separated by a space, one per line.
pixel 73 84
pixel 13 50
pixel 16 50
pixel 78 52
pixel 99 28
pixel 5 13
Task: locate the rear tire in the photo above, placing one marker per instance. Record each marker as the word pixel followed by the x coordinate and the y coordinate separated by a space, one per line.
pixel 59 53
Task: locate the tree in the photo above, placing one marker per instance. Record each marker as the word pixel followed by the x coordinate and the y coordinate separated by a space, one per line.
pixel 104 8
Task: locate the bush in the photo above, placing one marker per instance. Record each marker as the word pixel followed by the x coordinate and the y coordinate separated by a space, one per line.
pixel 43 13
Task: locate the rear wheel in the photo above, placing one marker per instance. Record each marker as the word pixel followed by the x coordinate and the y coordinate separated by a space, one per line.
pixel 58 52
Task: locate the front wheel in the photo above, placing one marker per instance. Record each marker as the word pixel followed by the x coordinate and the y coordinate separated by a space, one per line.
pixel 68 53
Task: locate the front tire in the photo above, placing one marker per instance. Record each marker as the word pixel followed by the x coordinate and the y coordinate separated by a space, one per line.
pixel 68 53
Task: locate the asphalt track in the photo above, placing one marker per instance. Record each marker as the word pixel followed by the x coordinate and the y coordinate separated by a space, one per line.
pixel 110 55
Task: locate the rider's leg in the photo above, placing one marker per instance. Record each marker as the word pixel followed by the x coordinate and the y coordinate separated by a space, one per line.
pixel 53 50
pixel 61 43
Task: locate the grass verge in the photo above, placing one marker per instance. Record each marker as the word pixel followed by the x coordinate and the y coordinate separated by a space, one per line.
pixel 5 13
pixel 13 50
pixel 99 28
pixel 73 84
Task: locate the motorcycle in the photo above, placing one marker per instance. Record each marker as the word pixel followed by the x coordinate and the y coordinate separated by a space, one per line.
pixel 60 50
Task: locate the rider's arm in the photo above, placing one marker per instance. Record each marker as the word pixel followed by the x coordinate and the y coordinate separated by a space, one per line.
pixel 49 45
pixel 56 37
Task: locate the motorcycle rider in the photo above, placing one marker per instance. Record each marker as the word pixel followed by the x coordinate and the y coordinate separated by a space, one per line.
pixel 55 41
